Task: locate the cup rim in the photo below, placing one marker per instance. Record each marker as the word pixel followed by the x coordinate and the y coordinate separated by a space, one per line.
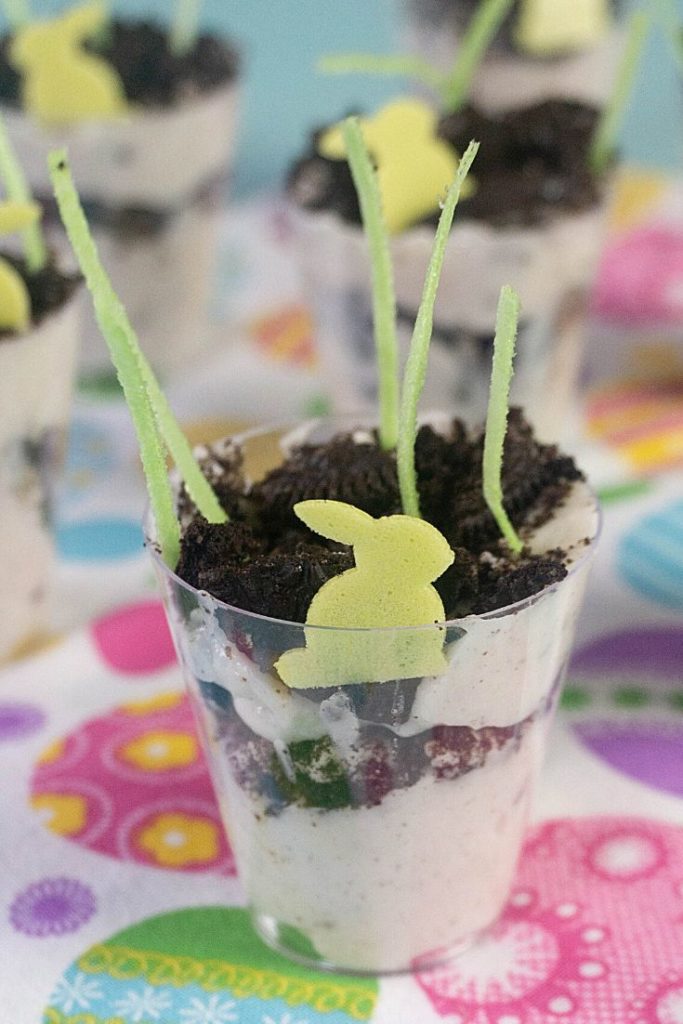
pixel 204 596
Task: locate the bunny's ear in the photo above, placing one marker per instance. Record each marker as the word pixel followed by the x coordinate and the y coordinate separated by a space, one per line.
pixel 25 44
pixel 15 216
pixel 84 21
pixel 335 520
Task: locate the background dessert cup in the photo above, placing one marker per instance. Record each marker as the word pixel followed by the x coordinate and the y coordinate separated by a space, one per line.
pixel 153 183
pixel 37 369
pixel 509 76
pixel 547 250
pixel 378 825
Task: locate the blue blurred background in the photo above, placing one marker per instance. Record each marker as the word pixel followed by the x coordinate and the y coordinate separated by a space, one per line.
pixel 285 97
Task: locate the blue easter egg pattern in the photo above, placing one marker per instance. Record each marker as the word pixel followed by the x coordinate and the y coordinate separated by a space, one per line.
pixel 650 557
pixel 99 539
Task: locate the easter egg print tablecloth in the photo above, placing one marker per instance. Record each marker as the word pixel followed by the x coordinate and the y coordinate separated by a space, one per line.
pixel 119 902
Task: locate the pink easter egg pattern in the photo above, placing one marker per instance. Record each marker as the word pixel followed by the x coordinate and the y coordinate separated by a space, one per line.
pixel 592 934
pixel 641 278
pixel 135 640
pixel 133 784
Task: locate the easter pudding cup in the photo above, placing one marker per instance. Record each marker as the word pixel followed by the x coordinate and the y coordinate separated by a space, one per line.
pixel 373 619
pixel 375 824
pixel 534 218
pixel 152 154
pixel 543 49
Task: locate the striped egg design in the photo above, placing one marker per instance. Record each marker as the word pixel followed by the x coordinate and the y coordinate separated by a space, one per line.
pixel 650 557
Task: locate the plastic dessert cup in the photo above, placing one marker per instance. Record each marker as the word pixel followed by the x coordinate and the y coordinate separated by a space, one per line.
pixel 153 184
pixel 37 369
pixel 377 826
pixel 508 77
pixel 551 265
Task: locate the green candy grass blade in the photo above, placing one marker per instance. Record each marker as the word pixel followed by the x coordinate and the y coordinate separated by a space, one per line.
pixel 17 12
pixel 608 127
pixel 507 318
pixel 482 28
pixel 379 64
pixel 18 192
pixel 383 297
pixel 185 26
pixel 416 365
pixel 111 319
pixel 132 368
pixel 197 486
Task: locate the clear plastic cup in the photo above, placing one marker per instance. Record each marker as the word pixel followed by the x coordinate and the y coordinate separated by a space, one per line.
pixel 37 369
pixel 551 265
pixel 378 825
pixel 153 185
pixel 509 77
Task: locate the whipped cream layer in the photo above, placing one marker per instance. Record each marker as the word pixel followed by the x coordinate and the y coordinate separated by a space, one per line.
pixel 36 378
pixel 374 888
pixel 154 158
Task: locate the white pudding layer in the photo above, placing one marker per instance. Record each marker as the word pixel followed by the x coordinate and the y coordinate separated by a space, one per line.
pixel 153 158
pixel 375 888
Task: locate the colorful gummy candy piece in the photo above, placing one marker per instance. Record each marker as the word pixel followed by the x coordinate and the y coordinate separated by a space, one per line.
pixel 397 558
pixel 414 167
pixel 549 27
pixel 63 83
pixel 15 304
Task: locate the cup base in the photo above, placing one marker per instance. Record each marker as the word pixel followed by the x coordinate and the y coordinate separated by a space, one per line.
pixel 294 946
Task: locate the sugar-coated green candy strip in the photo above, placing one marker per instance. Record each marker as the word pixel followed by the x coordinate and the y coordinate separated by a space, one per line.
pixel 384 64
pixel 18 192
pixel 416 364
pixel 114 326
pixel 482 28
pixel 17 12
pixel 197 486
pixel 612 117
pixel 383 297
pixel 507 318
pixel 185 26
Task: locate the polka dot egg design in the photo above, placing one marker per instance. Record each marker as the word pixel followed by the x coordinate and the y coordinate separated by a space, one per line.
pixel 133 784
pixel 593 923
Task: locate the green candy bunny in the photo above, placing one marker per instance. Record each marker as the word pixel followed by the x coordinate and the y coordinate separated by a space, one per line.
pixel 397 558
pixel 62 82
